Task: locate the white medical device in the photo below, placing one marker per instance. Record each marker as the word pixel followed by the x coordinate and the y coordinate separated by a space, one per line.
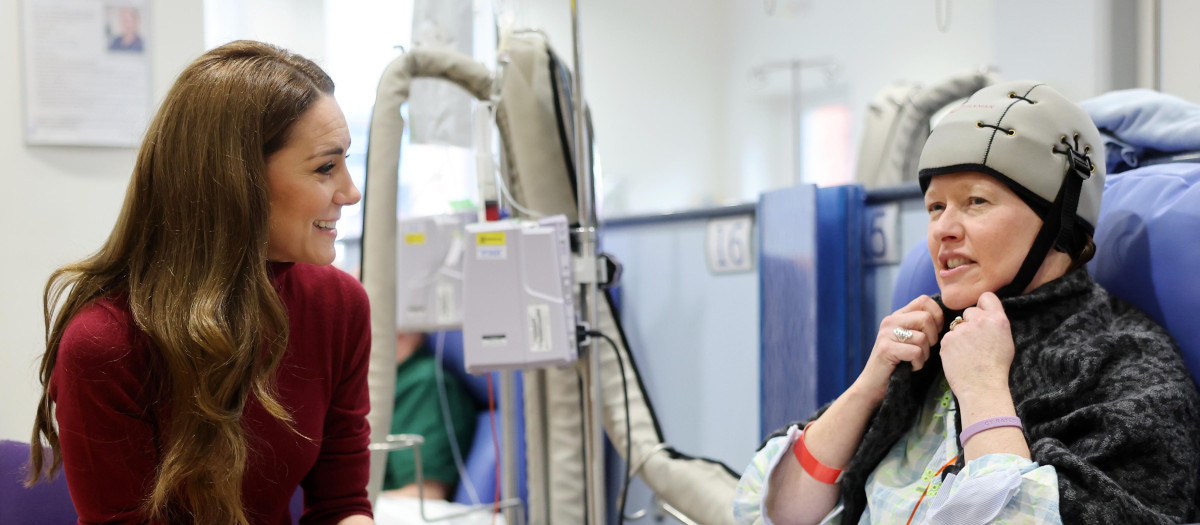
pixel 429 276
pixel 520 309
pixel 519 295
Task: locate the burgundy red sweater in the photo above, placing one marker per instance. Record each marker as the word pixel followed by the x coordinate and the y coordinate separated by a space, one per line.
pixel 111 436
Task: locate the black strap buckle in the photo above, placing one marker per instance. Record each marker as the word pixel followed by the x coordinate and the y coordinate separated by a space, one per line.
pixel 1081 164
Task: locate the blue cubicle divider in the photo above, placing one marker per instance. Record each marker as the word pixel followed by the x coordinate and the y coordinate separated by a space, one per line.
pixel 840 290
pixel 787 273
pixel 814 316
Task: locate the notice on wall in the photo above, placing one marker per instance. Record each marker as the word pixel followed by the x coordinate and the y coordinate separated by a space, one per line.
pixel 87 71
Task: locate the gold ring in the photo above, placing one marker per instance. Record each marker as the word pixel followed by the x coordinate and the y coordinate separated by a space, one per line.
pixel 956 322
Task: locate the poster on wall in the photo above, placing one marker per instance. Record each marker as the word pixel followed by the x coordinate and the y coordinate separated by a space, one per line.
pixel 87 71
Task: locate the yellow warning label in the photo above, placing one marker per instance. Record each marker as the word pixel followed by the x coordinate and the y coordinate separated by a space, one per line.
pixel 414 238
pixel 489 239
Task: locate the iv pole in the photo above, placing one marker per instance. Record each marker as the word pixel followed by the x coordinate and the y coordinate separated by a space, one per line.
pixel 794 66
pixel 593 424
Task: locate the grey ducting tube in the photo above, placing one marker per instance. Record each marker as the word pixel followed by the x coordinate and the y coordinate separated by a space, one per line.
pixel 379 222
pixel 897 124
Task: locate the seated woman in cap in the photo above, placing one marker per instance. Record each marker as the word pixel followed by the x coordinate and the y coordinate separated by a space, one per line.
pixel 1023 392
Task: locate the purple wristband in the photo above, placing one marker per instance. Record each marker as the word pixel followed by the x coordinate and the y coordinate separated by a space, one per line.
pixel 988 424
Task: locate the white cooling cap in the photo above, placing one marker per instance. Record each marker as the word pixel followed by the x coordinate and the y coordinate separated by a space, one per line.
pixel 1020 132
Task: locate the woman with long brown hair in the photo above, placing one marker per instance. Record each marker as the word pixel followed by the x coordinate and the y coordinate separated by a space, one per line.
pixel 207 360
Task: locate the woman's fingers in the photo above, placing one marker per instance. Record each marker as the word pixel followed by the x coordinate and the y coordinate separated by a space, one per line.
pixel 990 303
pixel 914 337
pixel 977 355
pixel 918 321
pixel 915 351
pixel 905 344
pixel 928 306
pixel 905 335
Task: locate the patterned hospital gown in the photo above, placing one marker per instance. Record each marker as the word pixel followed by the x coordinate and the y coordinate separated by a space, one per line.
pixel 996 488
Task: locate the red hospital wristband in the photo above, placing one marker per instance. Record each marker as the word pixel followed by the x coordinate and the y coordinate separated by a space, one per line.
pixel 814 468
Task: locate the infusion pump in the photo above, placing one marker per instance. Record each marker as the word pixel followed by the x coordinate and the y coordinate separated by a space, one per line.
pixel 508 284
pixel 429 277
pixel 518 295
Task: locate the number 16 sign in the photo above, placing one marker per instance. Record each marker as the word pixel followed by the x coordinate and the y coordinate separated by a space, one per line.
pixel 728 244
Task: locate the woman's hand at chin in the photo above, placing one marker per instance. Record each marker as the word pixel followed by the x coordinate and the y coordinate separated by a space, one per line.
pixel 978 352
pixel 904 336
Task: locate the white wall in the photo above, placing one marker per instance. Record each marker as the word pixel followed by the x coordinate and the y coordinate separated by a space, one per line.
pixel 61 202
pixel 298 25
pixel 681 123
pixel 877 42
pixel 1179 74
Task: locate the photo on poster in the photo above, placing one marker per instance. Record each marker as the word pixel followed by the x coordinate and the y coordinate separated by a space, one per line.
pixel 122 27
pixel 86 72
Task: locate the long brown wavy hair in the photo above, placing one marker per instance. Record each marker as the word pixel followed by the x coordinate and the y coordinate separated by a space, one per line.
pixel 190 250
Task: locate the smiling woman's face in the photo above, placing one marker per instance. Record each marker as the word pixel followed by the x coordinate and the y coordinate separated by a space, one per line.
pixel 979 234
pixel 309 184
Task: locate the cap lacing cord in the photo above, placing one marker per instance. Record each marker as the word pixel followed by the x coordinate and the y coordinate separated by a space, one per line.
pixel 1013 94
pixel 1059 222
pixel 1009 131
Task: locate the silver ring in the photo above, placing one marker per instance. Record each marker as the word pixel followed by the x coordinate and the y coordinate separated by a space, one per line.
pixel 902 334
pixel 957 320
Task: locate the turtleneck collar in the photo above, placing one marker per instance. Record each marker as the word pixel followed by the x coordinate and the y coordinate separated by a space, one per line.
pixel 277 271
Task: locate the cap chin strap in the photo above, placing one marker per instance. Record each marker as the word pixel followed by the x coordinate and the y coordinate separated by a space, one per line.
pixel 1059 222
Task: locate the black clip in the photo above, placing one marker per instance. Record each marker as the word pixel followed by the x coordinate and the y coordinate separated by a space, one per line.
pixel 1081 164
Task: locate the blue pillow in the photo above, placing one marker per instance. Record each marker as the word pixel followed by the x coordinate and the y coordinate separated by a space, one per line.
pixel 915 277
pixel 1148 248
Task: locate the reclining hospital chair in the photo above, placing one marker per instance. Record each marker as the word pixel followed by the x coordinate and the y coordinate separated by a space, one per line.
pixel 43 504
pixel 49 503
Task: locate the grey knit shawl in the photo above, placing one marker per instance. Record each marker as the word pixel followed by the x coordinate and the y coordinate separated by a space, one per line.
pixel 1104 397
